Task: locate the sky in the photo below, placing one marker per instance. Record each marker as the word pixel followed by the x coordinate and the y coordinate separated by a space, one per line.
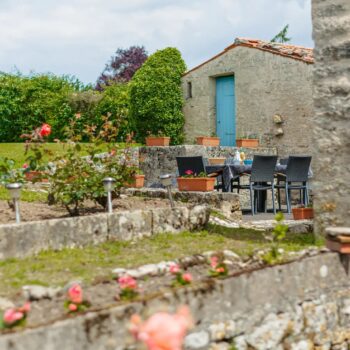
pixel 78 37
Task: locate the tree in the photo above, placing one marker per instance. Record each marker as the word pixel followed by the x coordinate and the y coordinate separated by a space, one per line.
pixel 122 66
pixel 281 37
pixel 156 96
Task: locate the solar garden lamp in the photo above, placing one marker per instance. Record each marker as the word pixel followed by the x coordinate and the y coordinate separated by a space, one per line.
pixel 15 193
pixel 165 180
pixel 109 183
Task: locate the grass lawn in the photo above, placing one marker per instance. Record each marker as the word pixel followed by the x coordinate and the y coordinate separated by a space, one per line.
pixel 15 151
pixel 57 268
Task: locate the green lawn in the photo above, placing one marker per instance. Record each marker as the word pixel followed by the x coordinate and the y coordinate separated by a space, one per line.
pixel 58 268
pixel 16 151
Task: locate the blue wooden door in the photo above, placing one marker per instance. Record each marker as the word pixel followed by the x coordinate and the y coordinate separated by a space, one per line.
pixel 225 110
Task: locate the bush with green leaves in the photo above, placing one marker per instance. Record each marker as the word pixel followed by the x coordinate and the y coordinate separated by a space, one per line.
pixel 74 178
pixel 28 101
pixel 156 97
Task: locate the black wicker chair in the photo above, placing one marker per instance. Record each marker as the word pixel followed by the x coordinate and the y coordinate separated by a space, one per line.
pixel 295 178
pixel 261 179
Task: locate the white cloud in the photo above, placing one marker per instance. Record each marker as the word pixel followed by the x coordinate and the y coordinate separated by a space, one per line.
pixel 78 36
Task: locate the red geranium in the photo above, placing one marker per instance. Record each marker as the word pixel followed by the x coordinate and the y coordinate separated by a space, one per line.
pixel 45 130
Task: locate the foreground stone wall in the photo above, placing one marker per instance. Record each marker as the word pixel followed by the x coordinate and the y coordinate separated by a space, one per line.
pixel 156 161
pixel 331 32
pixel 29 238
pixel 297 306
pixel 266 85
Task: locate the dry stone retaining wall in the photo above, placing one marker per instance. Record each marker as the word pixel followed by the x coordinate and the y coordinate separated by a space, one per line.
pixel 29 238
pixel 297 306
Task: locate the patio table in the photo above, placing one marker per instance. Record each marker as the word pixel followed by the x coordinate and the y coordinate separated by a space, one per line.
pixel 233 171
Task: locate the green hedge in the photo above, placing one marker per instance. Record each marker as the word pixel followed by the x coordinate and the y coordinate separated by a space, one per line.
pixel 156 97
pixel 27 102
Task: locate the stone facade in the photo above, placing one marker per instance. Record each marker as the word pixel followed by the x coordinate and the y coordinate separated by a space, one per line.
pixel 303 305
pixel 273 98
pixel 331 32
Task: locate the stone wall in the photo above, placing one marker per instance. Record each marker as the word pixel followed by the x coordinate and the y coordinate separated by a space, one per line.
pixel 228 204
pixel 331 32
pixel 29 238
pixel 156 161
pixel 266 85
pixel 302 305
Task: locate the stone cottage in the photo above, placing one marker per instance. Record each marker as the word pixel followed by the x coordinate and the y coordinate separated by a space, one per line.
pixel 252 88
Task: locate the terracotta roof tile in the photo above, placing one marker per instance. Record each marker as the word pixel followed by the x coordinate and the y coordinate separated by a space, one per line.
pixel 291 51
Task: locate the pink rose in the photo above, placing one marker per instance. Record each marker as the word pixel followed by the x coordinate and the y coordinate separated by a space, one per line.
pixel 25 166
pixel 187 277
pixel 45 130
pixel 162 331
pixel 72 307
pixel 214 261
pixel 127 282
pixel 188 172
pixel 174 269
pixel 11 316
pixel 75 294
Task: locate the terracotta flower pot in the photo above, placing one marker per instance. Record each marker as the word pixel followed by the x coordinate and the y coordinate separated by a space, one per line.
pixel 247 143
pixel 216 161
pixel 157 141
pixel 303 213
pixel 138 181
pixel 35 176
pixel 208 141
pixel 202 184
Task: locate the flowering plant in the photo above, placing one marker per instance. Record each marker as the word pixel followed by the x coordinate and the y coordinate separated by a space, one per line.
pixel 218 266
pixel 190 174
pixel 128 287
pixel 14 316
pixel 181 278
pixel 75 301
pixel 162 331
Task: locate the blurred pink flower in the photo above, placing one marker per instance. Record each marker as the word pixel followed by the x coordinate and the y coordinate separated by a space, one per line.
pixel 188 172
pixel 75 294
pixel 72 307
pixel 11 316
pixel 214 261
pixel 220 270
pixel 162 331
pixel 127 282
pixel 25 166
pixel 25 308
pixel 174 269
pixel 187 277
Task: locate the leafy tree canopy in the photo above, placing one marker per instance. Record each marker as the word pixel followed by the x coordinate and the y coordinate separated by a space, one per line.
pixel 281 37
pixel 122 66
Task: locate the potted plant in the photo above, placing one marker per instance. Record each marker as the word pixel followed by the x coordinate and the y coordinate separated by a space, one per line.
pixel 194 182
pixel 211 141
pixel 248 141
pixel 217 161
pixel 157 140
pixel 137 180
pixel 302 213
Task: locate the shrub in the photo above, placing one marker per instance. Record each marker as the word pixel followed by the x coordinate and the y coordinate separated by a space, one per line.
pixel 26 102
pixel 156 97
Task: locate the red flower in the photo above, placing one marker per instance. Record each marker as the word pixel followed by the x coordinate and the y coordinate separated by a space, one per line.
pixel 25 166
pixel 45 130
pixel 214 260
pixel 174 269
pixel 127 282
pixel 188 172
pixel 187 277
